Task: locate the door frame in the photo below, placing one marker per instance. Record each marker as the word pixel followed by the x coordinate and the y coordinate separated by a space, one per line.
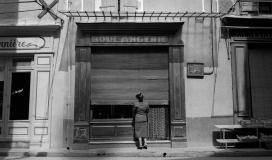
pixel 20 129
pixel 242 42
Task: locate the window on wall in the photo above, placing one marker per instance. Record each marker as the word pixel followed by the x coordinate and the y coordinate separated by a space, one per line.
pixel 119 5
pixel 254 7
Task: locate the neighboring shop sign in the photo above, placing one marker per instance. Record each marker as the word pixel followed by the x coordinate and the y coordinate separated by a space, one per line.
pixel 21 43
pixel 129 39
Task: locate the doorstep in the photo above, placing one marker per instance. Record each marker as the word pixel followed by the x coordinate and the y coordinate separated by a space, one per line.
pixel 133 152
pixel 127 144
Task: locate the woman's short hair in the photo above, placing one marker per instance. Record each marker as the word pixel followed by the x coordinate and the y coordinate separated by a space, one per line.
pixel 139 95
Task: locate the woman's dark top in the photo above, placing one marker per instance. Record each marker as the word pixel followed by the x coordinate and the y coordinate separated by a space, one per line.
pixel 140 110
pixel 140 118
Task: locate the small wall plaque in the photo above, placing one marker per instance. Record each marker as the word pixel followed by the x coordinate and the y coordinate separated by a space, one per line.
pixel 195 70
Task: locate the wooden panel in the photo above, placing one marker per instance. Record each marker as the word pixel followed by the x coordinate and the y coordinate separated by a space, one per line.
pixel 18 131
pixel 82 83
pixel 243 98
pixel 81 134
pixel 133 61
pixel 40 131
pixel 124 131
pixel 102 131
pixel 260 59
pixel 130 74
pixel 43 60
pixel 179 131
pixel 127 95
pixel 42 95
pixel 176 84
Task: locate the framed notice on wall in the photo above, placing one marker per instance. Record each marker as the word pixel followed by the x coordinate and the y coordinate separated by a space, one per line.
pixel 195 70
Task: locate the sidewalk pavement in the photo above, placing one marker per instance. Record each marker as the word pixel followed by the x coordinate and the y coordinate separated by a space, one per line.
pixel 133 152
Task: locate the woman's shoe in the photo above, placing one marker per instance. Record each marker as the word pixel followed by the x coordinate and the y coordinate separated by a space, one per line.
pixel 139 147
pixel 144 147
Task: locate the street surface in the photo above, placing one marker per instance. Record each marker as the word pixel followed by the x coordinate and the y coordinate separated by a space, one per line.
pixel 134 158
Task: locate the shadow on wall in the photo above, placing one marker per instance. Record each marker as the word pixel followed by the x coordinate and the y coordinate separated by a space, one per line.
pixel 9 11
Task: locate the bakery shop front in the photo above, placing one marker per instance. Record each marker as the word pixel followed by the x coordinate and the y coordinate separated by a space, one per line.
pixel 115 61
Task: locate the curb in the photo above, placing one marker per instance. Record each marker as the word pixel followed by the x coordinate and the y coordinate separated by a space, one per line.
pixel 141 153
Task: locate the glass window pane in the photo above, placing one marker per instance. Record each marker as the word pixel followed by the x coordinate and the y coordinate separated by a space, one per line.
pixel 19 99
pixel 109 5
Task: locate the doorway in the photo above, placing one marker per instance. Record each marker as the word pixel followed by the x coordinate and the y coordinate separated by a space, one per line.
pixel 260 66
pixel 16 76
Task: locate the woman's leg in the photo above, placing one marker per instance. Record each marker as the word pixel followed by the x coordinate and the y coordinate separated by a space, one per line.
pixel 140 142
pixel 144 142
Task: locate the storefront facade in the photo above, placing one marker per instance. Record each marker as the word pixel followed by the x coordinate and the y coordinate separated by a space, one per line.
pixel 28 45
pixel 114 64
pixel 82 73
pixel 178 61
pixel 250 46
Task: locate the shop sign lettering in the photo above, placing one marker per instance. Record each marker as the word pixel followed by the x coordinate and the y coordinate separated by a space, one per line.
pixel 20 43
pixel 129 39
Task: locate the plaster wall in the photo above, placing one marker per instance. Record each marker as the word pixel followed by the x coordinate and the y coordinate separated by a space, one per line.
pixel 208 100
pixel 205 98
pixel 24 13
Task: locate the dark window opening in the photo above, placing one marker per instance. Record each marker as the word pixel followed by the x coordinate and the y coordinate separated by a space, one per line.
pixel 111 111
pixel 265 7
pixel 22 62
pixel 1 98
pixel 20 92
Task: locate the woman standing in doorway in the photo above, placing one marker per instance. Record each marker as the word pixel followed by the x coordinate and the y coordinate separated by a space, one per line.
pixel 140 110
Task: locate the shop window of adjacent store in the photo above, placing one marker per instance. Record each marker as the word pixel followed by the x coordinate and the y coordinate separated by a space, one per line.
pixel 265 8
pixel 111 111
pixel 19 99
pixel 119 5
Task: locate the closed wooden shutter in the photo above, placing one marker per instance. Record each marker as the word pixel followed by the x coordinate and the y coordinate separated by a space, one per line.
pixel 109 5
pixel 82 83
pixel 129 5
pixel 224 5
pixel 249 7
pixel 119 73
pixel 260 60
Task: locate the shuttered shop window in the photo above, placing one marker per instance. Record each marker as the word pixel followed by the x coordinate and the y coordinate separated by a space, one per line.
pixel 118 73
pixel 260 60
pixel 109 5
pixel 129 5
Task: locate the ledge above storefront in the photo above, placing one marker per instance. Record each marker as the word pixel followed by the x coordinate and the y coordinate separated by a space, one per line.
pixel 246 26
pixel 247 21
pixel 34 29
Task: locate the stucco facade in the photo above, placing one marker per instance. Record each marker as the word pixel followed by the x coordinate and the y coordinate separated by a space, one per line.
pixel 207 100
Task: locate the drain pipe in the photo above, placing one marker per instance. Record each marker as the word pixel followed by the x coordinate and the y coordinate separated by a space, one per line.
pixel 212 41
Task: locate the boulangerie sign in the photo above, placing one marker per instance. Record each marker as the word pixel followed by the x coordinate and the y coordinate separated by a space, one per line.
pixel 129 39
pixel 21 43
